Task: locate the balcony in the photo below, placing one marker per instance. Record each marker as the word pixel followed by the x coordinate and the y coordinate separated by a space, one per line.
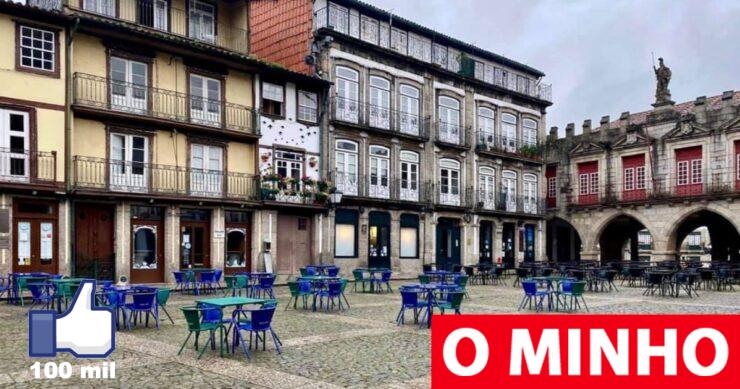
pixel 49 5
pixel 133 178
pixel 448 196
pixel 25 167
pixel 489 143
pixel 379 119
pixel 382 189
pixel 162 106
pixel 198 23
pixel 489 201
pixel 451 135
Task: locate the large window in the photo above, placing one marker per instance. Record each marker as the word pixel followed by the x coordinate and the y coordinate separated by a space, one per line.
pixel 346 167
pixel 487 187
pixel 379 169
pixel 530 193
pixel 205 100
pixel 14 138
pixel 37 49
pixel 345 233
pixel 449 182
pixel 409 176
pixel 128 87
pixel 409 236
pixel 347 105
pixel 449 120
pixel 529 132
pixel 379 110
pixel 202 21
pixel 408 119
pixel 206 163
pixel 103 7
pixel 273 99
pixel 308 106
pixel 508 132
pixel 145 247
pixel 486 125
pixel 508 189
pixel 129 155
pixel 289 164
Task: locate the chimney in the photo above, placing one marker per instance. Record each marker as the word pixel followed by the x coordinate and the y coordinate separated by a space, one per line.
pixel 586 129
pixel 553 133
pixel 727 98
pixel 605 121
pixel 700 109
pixel 570 130
pixel 624 120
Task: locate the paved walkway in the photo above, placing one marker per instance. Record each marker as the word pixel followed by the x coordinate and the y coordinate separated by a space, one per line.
pixel 361 347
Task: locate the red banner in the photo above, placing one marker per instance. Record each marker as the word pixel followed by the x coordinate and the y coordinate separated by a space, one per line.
pixel 601 351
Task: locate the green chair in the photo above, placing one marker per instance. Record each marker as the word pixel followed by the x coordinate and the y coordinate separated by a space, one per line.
pixel 303 271
pixel 462 282
pixel 344 282
pixel 359 276
pixel 191 281
pixel 230 285
pixel 571 297
pixel 22 285
pixel 242 282
pixel 193 316
pixel 452 302
pixel 163 294
pixel 295 293
pixel 423 279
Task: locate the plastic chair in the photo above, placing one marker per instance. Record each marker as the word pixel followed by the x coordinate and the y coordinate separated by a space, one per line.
pixel 343 282
pixel 179 280
pixel 333 294
pixel 143 303
pixel 303 271
pixel 39 294
pixel 531 293
pixel 230 285
pixel 359 276
pixel 196 326
pixel 259 321
pixel 207 281
pixel 4 286
pixel 115 301
pixel 191 282
pixel 453 301
pixel 217 278
pixel 423 279
pixel 310 271
pixel 571 293
pixel 163 295
pixel 264 286
pixel 385 279
pixel 410 300
pixel 298 289
pixel 332 271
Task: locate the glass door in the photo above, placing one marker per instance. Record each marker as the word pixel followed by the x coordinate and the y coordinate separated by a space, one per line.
pixel 205 100
pixel 409 176
pixel 486 189
pixel 14 133
pixel 128 166
pixel 380 103
pixel 347 99
pixel 449 120
pixel 379 244
pixel 508 190
pixel 409 110
pixel 154 13
pixel 128 85
pixel 530 193
pixel 379 172
pixel 195 245
pixel 206 171
pixel 346 168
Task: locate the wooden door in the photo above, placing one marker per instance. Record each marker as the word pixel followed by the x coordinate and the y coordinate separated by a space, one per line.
pixel 294 249
pixel 485 249
pixel 195 244
pixel 147 251
pixel 94 233
pixel 35 237
pixel 448 244
pixel 379 241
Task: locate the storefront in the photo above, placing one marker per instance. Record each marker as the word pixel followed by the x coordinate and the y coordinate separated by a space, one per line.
pixel 147 244
pixel 35 236
pixel 238 242
pixel 195 238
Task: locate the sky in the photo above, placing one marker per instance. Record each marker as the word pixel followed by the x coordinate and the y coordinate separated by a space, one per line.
pixel 597 53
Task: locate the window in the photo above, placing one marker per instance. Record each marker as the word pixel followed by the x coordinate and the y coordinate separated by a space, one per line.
pixel 14 147
pixel 409 236
pixel 129 155
pixel 529 132
pixel 683 172
pixel 155 14
pixel 486 125
pixel 380 103
pixel 640 177
pixel 202 21
pixel 629 178
pixel 487 187
pixel 449 120
pixel 644 240
pixel 289 164
pixel 694 239
pixel 409 176
pixel 205 100
pixel 508 132
pixel 37 49
pixel 347 98
pixel 273 99
pixel 308 105
pixel 583 184
pixel 449 182
pixel 552 187
pixel 236 239
pixel 379 169
pixel 102 7
pixel 594 183
pixel 206 177
pixel 145 247
pixel 508 189
pixel 408 119
pixel 345 233
pixel 696 176
pixel 128 81
pixel 346 167
pixel 530 193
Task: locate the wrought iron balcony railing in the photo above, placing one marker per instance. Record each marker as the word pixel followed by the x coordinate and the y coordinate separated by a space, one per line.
pixel 27 167
pixel 492 143
pixel 487 200
pixel 451 196
pixel 146 101
pixel 451 134
pixel 153 179
pixel 379 118
pixel 381 188
pixel 199 22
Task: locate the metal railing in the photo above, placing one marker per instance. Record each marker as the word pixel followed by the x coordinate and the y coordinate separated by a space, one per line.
pixel 24 166
pixel 489 142
pixel 451 134
pixel 446 195
pixel 382 188
pixel 197 23
pixel 503 202
pixel 142 100
pixel 146 178
pixel 379 118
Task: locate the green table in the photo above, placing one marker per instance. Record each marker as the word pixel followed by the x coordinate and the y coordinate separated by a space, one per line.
pixel 319 278
pixel 236 302
pixel 59 284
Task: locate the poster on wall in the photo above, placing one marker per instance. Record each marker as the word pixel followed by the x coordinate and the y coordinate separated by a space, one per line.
pixel 24 243
pixel 47 242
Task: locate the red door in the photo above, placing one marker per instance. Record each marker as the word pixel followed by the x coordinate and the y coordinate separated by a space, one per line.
pixel 689 171
pixel 737 165
pixel 588 183
pixel 633 178
pixel 552 185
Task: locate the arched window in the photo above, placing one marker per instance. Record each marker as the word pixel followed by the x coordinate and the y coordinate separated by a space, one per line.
pixel 409 170
pixel 508 189
pixel 530 192
pixel 408 120
pixel 529 131
pixel 508 132
pixel 379 169
pixel 449 182
pixel 348 95
pixel 236 247
pixel 449 130
pixel 145 247
pixel 346 167
pixel 379 110
pixel 487 187
pixel 486 126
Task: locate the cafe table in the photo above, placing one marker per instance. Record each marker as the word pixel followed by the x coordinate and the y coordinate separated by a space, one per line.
pixel 372 271
pixel 60 283
pixel 236 302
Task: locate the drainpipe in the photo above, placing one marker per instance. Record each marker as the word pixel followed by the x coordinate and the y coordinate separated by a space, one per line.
pixel 70 259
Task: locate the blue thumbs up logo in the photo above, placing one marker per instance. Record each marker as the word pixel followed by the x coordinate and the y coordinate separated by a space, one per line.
pixel 84 330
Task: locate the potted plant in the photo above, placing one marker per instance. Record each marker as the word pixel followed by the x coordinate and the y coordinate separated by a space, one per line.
pixel 321 197
pixel 308 181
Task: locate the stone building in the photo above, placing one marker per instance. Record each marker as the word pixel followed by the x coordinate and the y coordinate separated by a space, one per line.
pixel 433 142
pixel 648 181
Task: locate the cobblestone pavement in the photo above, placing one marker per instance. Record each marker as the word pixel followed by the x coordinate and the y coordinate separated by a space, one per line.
pixel 360 347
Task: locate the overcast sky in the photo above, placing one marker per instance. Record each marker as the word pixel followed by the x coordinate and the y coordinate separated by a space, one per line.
pixel 597 53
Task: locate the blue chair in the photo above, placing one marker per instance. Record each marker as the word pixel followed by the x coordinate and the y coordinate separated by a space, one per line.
pixel 143 303
pixel 332 271
pixel 410 300
pixel 40 294
pixel 115 301
pixel 310 271
pixel 255 322
pixel 207 281
pixel 531 293
pixel 217 278
pixel 332 293
pixel 5 286
pixel 179 280
pixel 264 286
pixel 385 279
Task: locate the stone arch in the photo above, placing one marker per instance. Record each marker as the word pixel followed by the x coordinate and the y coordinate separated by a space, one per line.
pixel 723 231
pixel 612 233
pixel 563 241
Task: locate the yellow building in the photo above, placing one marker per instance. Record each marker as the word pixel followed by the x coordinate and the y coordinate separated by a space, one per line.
pixel 160 136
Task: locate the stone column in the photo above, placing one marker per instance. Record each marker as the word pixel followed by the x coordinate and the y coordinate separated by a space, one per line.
pixel 395 241
pixel 123 240
pixel 171 242
pixel 218 235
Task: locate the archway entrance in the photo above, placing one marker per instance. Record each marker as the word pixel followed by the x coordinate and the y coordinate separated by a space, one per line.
pixel 620 239
pixel 563 243
pixel 716 235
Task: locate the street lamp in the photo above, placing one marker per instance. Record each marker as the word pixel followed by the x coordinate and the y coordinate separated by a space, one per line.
pixel 335 198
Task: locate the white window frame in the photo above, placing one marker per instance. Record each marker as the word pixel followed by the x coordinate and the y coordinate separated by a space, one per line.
pixel 487 187
pixel 487 127
pixel 509 132
pixel 409 102
pixel 583 184
pixel 409 175
pixel 209 112
pixel 347 101
pixel 123 177
pixel 133 84
pixel 450 181
pixel 10 156
pixel 629 178
pixel 34 44
pixel 205 180
pixel 552 187
pixel 274 93
pixel 379 109
pixel 509 182
pixel 308 106
pixel 379 172
pixel 697 176
pixel 529 131
pixel 448 110
pixel 346 160
pixel 594 182
pixel 529 186
pixel 640 177
pixel 682 173
pixel 199 28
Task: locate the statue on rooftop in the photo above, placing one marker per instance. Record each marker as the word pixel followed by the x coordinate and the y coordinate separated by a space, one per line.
pixel 663 76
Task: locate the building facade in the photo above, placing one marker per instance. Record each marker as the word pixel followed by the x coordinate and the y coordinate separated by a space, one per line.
pixel 657 185
pixel 131 137
pixel 434 144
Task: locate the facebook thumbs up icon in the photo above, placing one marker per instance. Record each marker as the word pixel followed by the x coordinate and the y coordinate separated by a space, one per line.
pixel 84 330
